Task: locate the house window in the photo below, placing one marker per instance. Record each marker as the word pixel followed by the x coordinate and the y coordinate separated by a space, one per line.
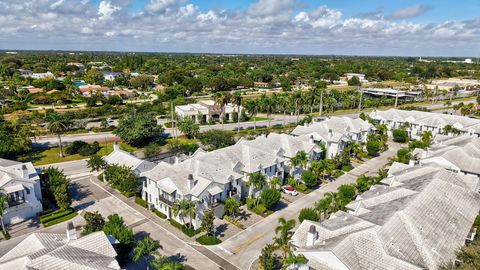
pixel 28 191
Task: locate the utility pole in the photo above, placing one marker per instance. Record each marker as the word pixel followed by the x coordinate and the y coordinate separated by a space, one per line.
pixel 171 118
pixel 360 103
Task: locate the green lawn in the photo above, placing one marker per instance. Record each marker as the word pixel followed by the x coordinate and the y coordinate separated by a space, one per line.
pixel 258 118
pixel 51 155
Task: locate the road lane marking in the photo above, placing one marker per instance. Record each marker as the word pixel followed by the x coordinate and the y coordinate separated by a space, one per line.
pixel 248 242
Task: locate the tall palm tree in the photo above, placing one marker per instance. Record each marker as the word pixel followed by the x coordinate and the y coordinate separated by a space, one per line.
pixel 256 180
pixel 165 263
pixel 252 106
pixel 184 208
pixel 58 124
pixel 300 160
pixel 268 106
pixel 283 103
pixel 223 99
pixel 3 207
pixel 232 206
pixel 297 100
pixel 237 101
pixel 323 206
pixel 284 233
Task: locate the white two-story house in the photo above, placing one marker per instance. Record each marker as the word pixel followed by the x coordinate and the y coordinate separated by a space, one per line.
pixel 21 183
pixel 209 178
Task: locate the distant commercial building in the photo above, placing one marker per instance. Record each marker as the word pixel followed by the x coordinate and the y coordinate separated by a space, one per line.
pixel 360 76
pixel 453 83
pixel 391 92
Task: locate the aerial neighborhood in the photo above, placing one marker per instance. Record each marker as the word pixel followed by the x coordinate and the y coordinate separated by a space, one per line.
pixel 239 135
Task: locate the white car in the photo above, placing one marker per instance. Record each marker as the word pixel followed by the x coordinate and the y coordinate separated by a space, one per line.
pixel 289 190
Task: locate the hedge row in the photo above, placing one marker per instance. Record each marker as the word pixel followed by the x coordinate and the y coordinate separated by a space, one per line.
pixel 60 220
pixel 208 240
pixel 189 231
pixel 141 202
pixel 54 215
pixel 159 214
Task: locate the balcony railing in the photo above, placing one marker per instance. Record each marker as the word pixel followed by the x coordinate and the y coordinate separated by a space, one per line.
pixel 165 201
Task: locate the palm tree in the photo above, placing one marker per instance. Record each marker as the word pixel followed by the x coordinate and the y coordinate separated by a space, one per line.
pixel 256 180
pixel 292 261
pixel 232 206
pixel 323 167
pixel 300 160
pixel 58 124
pixel 283 103
pixel 284 232
pixel 96 163
pixel 268 106
pixel 144 247
pixel 297 99
pixel 275 182
pixel 252 106
pixel 323 206
pixel 184 208
pixel 237 101
pixel 222 99
pixel 3 207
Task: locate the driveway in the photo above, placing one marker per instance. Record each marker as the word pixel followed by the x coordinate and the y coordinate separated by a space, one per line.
pixel 244 248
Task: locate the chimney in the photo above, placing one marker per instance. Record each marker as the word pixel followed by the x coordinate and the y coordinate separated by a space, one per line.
pixel 311 139
pixel 115 146
pixel 330 133
pixel 71 232
pixel 25 171
pixel 190 181
pixel 305 124
pixel 311 236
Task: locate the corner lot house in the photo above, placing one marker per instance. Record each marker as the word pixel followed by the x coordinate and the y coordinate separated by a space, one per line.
pixel 336 132
pixel 48 251
pixel 209 178
pixel 419 121
pixel 20 181
pixel 417 218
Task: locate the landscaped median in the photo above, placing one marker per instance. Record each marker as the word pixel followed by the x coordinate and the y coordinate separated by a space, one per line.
pixel 49 218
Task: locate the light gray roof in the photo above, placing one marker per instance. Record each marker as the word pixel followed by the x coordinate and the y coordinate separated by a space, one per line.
pixel 418 222
pixel 428 119
pixel 12 172
pixel 224 165
pixel 45 251
pixel 123 158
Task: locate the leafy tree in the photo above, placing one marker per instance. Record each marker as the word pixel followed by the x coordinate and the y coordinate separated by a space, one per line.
pixel 216 139
pixel 123 178
pixel 94 76
pixel 96 163
pixel 3 207
pixel 293 261
pixel 232 206
pixel 403 155
pixel 138 129
pixel 207 221
pixel 57 187
pixel 310 178
pixel 145 247
pixel 14 139
pixel 115 226
pixel 284 233
pixel 188 127
pixel 346 193
pixel 449 129
pixel 267 259
pixel 58 124
pixel 270 197
pixel 114 100
pixel 323 167
pixel 62 196
pixel 354 81
pixel 308 214
pixel 94 222
pixel 373 147
pixel 323 206
pixel 364 183
pixel 400 135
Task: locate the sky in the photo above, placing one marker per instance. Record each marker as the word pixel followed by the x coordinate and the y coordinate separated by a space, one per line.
pixel 342 27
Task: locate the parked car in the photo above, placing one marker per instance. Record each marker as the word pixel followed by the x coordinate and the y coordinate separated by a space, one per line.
pixel 289 190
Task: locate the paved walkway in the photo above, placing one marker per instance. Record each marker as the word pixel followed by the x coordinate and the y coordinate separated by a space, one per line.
pixel 169 229
pixel 244 248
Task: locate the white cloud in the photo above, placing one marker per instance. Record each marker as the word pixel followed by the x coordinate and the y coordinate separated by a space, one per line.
pixel 410 12
pixel 162 5
pixel 106 9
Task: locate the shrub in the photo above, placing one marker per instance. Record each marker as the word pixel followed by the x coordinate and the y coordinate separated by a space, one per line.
pixel 347 168
pixel 308 214
pixel 93 222
pixel 403 155
pixel 250 203
pixel 60 220
pixel 310 178
pixel 73 148
pixel 208 240
pixel 373 147
pixel 270 197
pixel 337 173
pixel 302 187
pixel 159 214
pixel 189 231
pixel 400 135
pixel 89 149
pixel 260 209
pixel 141 202
pixel 46 212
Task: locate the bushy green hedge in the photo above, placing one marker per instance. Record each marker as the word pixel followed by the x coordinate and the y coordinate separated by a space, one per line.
pixel 208 240
pixel 55 215
pixel 301 187
pixel 260 209
pixel 61 219
pixel 141 202
pixel 46 212
pixel 189 231
pixel 159 214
